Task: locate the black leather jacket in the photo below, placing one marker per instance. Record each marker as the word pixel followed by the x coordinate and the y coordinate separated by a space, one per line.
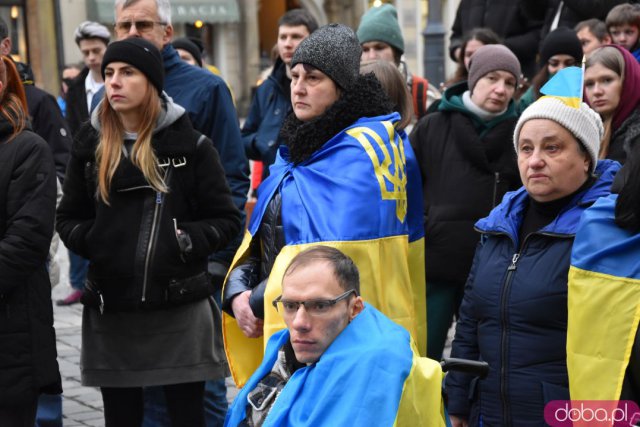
pixel 138 259
pixel 253 273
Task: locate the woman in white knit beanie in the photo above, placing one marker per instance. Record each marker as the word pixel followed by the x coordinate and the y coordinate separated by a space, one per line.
pixel 514 311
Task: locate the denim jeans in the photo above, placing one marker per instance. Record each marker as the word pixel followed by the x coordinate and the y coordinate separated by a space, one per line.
pixel 78 267
pixel 49 411
pixel 215 405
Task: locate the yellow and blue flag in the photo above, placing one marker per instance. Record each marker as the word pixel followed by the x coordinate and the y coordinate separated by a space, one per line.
pixel 360 193
pixel 566 85
pixel 371 375
pixel 604 304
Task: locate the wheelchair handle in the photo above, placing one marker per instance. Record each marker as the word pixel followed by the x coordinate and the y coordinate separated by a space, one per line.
pixel 473 367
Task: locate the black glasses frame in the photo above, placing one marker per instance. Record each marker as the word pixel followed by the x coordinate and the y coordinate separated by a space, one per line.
pixel 329 302
pixel 141 25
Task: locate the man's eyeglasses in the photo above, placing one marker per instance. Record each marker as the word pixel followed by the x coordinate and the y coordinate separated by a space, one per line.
pixel 124 27
pixel 314 307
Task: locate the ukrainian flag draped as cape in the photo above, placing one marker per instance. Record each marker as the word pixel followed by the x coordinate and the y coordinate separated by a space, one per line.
pixel 604 304
pixel 360 193
pixel 371 375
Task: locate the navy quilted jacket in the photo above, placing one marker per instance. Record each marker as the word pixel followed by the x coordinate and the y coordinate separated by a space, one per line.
pixel 514 313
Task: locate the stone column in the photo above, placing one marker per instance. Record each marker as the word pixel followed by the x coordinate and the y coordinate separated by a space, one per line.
pixel 434 43
pixel 43 46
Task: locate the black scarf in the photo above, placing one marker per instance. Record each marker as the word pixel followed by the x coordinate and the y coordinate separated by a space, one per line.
pixel 365 98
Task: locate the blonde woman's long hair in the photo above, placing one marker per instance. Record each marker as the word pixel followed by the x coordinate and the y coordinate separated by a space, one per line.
pixel 13 101
pixel 109 150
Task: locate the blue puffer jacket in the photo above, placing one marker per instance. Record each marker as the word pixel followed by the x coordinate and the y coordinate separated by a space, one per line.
pixel 514 313
pixel 270 106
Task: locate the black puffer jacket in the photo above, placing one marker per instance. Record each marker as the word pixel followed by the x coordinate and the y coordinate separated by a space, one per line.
pixel 28 199
pixel 507 19
pixel 136 256
pixel 622 138
pixel 47 120
pixel 465 173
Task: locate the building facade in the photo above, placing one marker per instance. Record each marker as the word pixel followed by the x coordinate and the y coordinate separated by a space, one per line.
pixel 238 35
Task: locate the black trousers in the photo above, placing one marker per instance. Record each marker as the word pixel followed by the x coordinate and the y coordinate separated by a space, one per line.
pixel 124 407
pixel 19 416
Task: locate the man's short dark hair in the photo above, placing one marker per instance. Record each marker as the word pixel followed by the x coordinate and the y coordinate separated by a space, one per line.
pixel 344 269
pixel 296 17
pixel 595 26
pixel 4 29
pixel 623 14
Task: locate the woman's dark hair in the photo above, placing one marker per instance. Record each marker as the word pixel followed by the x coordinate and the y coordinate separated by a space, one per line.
pixel 483 35
pixel 539 79
pixel 628 203
pixel 344 269
pixel 296 17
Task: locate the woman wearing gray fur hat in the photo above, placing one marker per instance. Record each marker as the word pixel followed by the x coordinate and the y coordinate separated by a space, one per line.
pixel 346 177
pixel 514 312
pixel 467 164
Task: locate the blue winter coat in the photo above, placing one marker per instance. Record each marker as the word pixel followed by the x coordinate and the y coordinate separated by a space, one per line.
pixel 270 106
pixel 514 313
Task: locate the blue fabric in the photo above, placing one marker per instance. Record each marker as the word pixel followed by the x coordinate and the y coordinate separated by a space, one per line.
pixel 566 83
pixel 49 411
pixel 358 380
pixel 63 105
pixel 78 268
pixel 617 255
pixel 261 130
pixel 507 216
pixel 514 316
pixel 312 191
pixel 215 403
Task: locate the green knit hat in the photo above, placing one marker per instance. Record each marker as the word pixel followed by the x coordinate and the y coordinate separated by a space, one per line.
pixel 381 24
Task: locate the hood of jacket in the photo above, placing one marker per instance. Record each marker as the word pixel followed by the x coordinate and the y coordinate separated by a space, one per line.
pixel 169 113
pixel 507 216
pixel 452 101
pixel 366 98
pixel 279 76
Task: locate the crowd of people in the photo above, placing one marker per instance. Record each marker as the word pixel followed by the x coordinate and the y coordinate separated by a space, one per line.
pixel 386 211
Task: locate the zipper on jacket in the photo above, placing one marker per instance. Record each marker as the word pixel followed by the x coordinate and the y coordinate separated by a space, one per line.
pixel 496 181
pixel 152 235
pixel 503 350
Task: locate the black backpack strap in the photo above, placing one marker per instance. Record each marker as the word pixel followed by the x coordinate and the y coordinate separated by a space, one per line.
pixel 187 175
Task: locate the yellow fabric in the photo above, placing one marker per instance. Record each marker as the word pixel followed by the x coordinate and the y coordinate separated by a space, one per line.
pixel 604 311
pixel 569 101
pixel 421 402
pixel 392 289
